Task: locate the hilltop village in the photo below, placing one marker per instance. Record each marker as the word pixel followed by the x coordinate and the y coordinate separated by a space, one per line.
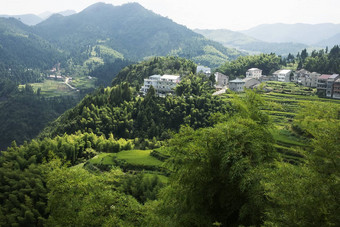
pixel 327 85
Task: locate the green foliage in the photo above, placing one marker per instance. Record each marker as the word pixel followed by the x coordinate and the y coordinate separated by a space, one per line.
pixel 115 110
pixel 268 63
pixel 321 61
pixel 214 172
pixel 79 198
pixel 135 74
pixel 23 114
pixel 308 194
pixel 131 31
pixel 142 187
pixel 194 85
pixel 16 37
pixel 107 72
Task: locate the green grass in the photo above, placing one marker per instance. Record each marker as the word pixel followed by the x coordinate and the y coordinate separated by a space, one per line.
pixel 138 157
pixel 162 178
pixel 83 83
pixel 52 88
pixel 134 157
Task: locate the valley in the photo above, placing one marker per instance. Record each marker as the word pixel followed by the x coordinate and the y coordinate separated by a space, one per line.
pixel 119 116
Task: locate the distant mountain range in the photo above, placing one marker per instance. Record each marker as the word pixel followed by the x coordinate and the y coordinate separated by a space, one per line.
pixel 19 45
pixel 249 44
pixel 133 32
pixel 309 34
pixel 32 19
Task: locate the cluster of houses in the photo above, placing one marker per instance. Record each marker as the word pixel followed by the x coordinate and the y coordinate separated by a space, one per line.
pixel 327 85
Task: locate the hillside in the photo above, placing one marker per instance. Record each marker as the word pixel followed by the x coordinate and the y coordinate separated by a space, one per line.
pixel 28 19
pixel 19 45
pixel 334 40
pixel 247 43
pixel 132 31
pixel 299 33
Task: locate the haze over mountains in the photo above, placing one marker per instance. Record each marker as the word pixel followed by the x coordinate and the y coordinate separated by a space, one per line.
pixel 121 28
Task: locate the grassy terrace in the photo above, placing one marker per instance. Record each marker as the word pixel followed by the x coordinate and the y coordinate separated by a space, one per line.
pixel 52 88
pixel 284 102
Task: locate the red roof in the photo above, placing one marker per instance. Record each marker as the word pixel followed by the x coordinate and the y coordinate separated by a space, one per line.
pixel 324 76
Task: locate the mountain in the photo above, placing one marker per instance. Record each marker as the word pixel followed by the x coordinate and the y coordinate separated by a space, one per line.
pixel 65 13
pixel 131 31
pixel 334 40
pixel 29 19
pixel 298 33
pixel 247 43
pixel 19 45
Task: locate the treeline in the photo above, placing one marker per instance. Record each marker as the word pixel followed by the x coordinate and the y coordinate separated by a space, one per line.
pixel 119 111
pixel 107 72
pixel 135 74
pixel 268 63
pixel 227 174
pixel 321 61
pixel 27 175
pixel 20 46
pixel 24 113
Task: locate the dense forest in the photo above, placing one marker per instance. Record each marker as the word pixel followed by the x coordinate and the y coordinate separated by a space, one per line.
pixel 24 112
pixel 99 153
pixel 242 177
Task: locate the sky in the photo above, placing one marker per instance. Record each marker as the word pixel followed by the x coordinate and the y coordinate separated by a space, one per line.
pixel 204 14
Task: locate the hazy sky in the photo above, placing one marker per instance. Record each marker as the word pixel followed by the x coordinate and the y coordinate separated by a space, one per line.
pixel 228 14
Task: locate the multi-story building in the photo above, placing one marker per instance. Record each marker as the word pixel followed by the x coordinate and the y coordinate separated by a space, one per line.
pixel 254 73
pixel 306 79
pixel 236 85
pixel 322 85
pixel 162 84
pixel 336 89
pixel 330 84
pixel 221 80
pixel 283 75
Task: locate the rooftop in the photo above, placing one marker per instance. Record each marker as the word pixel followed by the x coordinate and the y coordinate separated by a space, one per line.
pixel 324 76
pixel 170 77
pixel 253 69
pixel 282 71
pixel 237 80
pixel 333 76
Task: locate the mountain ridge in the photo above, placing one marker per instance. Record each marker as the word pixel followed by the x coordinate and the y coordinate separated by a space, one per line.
pixel 134 31
pixel 309 34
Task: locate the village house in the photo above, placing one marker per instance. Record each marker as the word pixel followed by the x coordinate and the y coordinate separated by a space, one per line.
pixel 250 83
pixel 306 78
pixel 221 80
pixel 330 84
pixel 236 85
pixel 336 89
pixel 283 75
pixel 322 85
pixel 264 78
pixel 202 69
pixel 254 73
pixel 162 84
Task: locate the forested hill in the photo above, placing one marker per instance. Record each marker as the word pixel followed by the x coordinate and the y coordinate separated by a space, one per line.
pixel 134 32
pixel 19 45
pixel 120 111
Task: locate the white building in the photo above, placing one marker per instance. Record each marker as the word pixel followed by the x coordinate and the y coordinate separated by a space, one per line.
pixel 236 85
pixel 254 73
pixel 162 84
pixel 283 75
pixel 202 69
pixel 221 80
